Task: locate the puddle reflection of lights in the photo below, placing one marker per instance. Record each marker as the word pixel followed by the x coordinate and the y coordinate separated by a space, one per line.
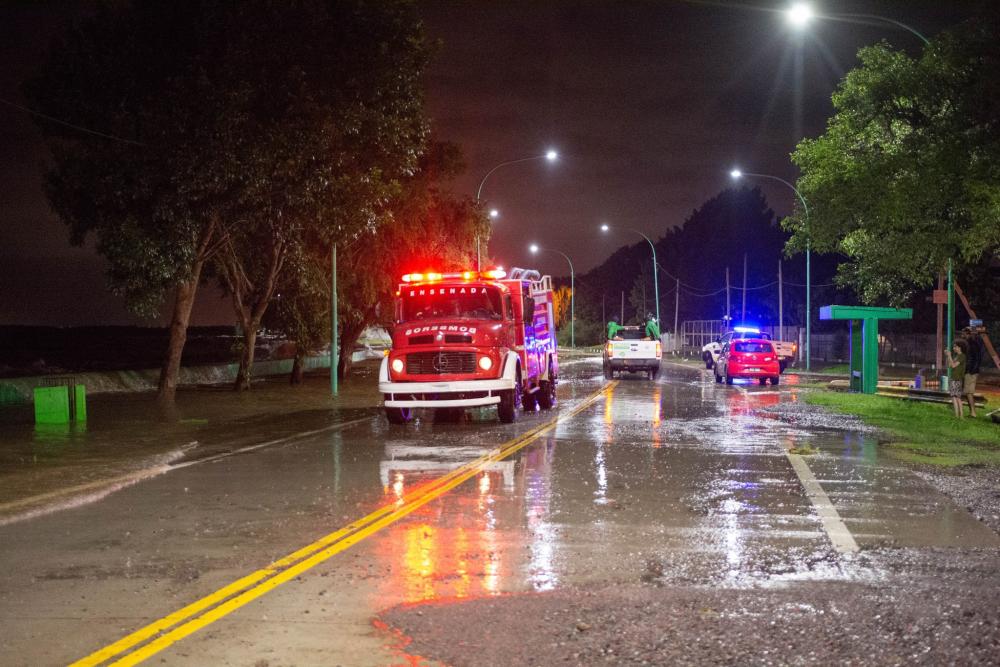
pixel 484 484
pixel 399 488
pixel 609 402
pixel 419 562
pixel 602 475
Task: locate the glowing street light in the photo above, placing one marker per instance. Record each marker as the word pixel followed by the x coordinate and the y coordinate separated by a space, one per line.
pixel 800 14
pixel 736 174
pixel 656 283
pixel 494 214
pixel 550 155
pixel 535 249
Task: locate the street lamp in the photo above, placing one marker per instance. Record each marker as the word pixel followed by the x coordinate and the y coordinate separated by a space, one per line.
pixel 535 249
pixel 656 283
pixel 736 174
pixel 549 156
pixel 800 14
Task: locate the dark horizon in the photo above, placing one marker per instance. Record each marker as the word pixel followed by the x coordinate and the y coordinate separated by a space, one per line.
pixel 649 106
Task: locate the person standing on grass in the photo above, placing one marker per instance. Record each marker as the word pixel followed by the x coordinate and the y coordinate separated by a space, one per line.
pixel 956 362
pixel 977 350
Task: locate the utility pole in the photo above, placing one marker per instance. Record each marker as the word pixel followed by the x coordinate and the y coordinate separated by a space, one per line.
pixel 604 314
pixel 677 304
pixel 950 330
pixel 623 308
pixel 727 294
pixel 781 311
pixel 743 311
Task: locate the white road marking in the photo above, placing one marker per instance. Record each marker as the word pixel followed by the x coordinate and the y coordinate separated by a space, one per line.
pixel 834 526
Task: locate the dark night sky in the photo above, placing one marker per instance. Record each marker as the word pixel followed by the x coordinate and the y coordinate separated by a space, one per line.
pixel 649 104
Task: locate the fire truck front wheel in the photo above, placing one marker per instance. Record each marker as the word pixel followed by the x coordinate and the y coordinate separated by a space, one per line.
pixel 547 394
pixel 510 403
pixel 399 415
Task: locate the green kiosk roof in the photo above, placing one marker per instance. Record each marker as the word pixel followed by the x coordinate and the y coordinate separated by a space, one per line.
pixel 864 313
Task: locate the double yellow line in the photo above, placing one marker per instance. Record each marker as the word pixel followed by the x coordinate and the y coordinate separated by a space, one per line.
pixel 178 625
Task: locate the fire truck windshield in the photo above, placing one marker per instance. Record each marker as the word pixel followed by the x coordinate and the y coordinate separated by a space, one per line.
pixel 465 301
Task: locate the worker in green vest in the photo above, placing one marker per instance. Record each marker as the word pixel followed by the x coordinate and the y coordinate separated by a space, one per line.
pixel 613 328
pixel 652 328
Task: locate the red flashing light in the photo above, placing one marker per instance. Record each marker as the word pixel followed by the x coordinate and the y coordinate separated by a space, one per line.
pixel 430 277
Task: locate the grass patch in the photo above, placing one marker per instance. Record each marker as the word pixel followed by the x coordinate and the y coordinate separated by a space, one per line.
pixel 836 369
pixel 923 432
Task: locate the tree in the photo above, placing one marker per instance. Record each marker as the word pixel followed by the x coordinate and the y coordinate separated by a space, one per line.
pixel 222 133
pixel 907 174
pixel 327 120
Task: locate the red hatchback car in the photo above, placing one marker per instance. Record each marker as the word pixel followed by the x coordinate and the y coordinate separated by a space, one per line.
pixel 748 358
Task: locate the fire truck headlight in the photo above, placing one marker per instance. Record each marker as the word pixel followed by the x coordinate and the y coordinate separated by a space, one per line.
pixel 485 363
pixel 397 365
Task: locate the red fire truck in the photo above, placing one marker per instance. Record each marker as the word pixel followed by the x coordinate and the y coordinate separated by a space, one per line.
pixel 471 339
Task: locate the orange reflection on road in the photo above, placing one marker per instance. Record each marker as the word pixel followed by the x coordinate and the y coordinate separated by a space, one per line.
pixel 448 549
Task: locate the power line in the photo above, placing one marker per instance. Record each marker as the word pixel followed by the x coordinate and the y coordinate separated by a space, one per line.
pixel 71 125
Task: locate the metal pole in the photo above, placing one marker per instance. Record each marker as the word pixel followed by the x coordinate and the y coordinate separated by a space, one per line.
pixel 677 302
pixel 334 347
pixel 950 326
pixel 781 311
pixel 743 308
pixel 808 296
pixel 727 295
pixel 623 308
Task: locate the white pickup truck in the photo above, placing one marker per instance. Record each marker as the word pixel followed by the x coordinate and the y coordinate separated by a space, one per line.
pixel 630 350
pixel 786 350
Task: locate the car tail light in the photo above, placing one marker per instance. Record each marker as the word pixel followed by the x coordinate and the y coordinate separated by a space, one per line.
pixel 608 348
pixel 768 358
pixel 659 349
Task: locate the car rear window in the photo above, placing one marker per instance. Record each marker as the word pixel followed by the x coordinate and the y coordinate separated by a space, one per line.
pixel 753 346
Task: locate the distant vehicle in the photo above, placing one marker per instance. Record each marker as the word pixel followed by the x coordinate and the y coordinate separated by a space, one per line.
pixel 471 339
pixel 753 358
pixel 634 353
pixel 786 350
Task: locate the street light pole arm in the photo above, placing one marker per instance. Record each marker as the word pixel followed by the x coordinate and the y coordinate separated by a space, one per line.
pixel 874 17
pixel 479 190
pixel 781 180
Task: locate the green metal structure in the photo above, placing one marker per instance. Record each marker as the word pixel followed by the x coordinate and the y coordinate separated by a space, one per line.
pixel 864 339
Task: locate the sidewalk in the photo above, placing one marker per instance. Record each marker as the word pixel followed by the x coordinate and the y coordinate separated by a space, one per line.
pixel 128 435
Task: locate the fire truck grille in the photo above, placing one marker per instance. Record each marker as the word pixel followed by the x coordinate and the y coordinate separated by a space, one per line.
pixel 440 363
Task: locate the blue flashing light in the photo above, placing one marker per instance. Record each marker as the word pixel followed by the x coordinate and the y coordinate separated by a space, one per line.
pixel 746 329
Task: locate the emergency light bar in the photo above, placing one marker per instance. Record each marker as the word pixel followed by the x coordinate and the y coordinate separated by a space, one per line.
pixel 746 329
pixel 493 274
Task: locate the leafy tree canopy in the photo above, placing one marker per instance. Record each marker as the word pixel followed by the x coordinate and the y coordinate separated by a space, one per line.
pixel 907 174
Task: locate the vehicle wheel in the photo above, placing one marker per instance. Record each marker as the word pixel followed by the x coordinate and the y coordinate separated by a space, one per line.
pixel 654 373
pixel 547 394
pixel 399 415
pixel 729 378
pixel 775 380
pixel 510 402
pixel 763 381
pixel 718 379
pixel 708 362
pixel 782 365
pixel 608 374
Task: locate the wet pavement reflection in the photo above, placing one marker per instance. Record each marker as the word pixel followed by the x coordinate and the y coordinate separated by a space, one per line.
pixel 676 480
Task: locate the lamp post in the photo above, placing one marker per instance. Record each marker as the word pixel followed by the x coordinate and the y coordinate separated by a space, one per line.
pixel 550 156
pixel 656 283
pixel 800 14
pixel 535 249
pixel 736 174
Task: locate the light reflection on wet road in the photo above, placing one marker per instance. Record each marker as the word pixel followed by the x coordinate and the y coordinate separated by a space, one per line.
pixel 676 480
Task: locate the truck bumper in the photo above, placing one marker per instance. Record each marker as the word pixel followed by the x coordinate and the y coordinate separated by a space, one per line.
pixel 619 364
pixel 443 394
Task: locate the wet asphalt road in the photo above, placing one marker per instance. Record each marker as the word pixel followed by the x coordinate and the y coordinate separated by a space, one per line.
pixel 679 479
